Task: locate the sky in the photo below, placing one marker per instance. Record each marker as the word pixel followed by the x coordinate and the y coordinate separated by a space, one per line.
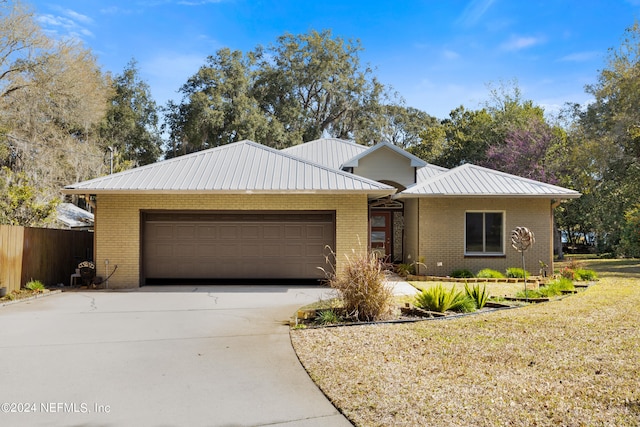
pixel 437 55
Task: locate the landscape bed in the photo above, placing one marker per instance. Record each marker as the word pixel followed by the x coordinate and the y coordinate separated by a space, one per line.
pixel 572 361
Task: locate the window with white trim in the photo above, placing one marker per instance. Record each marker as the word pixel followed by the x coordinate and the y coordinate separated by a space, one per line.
pixel 484 233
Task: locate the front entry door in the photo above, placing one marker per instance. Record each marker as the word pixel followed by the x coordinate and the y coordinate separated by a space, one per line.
pixel 380 235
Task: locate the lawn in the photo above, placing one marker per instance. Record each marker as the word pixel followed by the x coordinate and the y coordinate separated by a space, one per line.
pixel 572 362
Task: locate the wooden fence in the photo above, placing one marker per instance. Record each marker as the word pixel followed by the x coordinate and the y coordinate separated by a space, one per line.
pixel 44 254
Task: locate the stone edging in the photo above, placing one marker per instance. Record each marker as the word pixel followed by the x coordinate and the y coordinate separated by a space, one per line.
pixel 31 298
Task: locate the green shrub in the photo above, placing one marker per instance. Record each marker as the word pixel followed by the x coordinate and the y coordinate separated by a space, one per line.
pixel 479 296
pixel 462 273
pixel 585 275
pixel 517 273
pixel 488 273
pixel 529 294
pixel 405 269
pixel 438 299
pixel 328 317
pixel 35 285
pixel 363 288
pixel 551 289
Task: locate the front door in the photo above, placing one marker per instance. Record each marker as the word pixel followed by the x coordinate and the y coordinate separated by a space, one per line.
pixel 380 235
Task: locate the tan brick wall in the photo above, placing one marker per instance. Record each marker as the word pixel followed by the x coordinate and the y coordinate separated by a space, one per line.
pixel 442 222
pixel 117 230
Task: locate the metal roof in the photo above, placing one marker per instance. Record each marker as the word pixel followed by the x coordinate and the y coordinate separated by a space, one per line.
pixel 475 181
pixel 74 217
pixel 330 152
pixel 428 172
pixel 241 167
pixel 415 161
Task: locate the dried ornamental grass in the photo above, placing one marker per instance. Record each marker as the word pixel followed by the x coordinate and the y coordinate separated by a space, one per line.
pixel 363 288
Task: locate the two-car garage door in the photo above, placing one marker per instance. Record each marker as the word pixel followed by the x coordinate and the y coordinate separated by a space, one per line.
pixel 236 245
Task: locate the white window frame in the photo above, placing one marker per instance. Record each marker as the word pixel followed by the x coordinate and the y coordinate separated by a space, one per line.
pixel 484 237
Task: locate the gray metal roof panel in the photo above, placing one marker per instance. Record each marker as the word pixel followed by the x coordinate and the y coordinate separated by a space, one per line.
pixel 428 172
pixel 330 152
pixel 243 166
pixel 476 181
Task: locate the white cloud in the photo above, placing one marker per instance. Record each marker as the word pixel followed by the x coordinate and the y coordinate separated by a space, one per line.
pixel 450 54
pixel 77 16
pixel 581 56
pixel 520 42
pixel 69 25
pixel 473 12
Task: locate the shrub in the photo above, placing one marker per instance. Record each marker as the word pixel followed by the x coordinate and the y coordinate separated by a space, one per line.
pixel 363 288
pixel 488 273
pixel 405 269
pixel 479 296
pixel 462 273
pixel 438 299
pixel 535 293
pixel 552 289
pixel 517 273
pixel 328 317
pixel 35 285
pixel 585 275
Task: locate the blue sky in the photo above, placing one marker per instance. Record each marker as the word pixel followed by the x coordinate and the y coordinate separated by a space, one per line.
pixel 436 54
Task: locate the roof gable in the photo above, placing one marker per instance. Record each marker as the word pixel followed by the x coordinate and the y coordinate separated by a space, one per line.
pixel 414 161
pixel 241 167
pixel 475 181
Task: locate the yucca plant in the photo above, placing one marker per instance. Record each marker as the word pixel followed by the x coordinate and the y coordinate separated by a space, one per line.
pixel 479 296
pixel 440 300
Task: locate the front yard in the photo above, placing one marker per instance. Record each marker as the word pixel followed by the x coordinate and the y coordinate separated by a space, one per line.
pixel 572 362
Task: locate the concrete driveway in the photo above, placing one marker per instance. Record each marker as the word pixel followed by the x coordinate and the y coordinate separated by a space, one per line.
pixel 158 356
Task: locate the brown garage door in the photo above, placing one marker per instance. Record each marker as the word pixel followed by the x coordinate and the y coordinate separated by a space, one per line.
pixel 237 245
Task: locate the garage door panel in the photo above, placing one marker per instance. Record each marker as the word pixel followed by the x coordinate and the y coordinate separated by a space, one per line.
pixel 240 245
pixel 228 231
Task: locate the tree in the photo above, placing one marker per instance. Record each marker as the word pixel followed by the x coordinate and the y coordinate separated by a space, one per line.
pixel 606 143
pixel 130 126
pixel 52 94
pixel 527 152
pixel 462 138
pixel 296 90
pixel 398 125
pixel 20 201
pixel 218 108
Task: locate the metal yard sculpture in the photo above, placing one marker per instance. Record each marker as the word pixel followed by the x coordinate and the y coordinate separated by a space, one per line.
pixel 522 239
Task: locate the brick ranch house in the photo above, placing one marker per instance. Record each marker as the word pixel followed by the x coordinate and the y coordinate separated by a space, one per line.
pixel 247 211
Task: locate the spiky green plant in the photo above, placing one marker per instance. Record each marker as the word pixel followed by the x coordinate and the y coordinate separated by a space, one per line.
pixel 479 296
pixel 35 285
pixel 328 317
pixel 440 300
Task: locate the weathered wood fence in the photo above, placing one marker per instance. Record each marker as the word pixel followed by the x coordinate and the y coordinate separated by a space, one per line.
pixel 44 254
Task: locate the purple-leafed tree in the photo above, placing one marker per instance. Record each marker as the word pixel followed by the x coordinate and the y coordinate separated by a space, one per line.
pixel 527 152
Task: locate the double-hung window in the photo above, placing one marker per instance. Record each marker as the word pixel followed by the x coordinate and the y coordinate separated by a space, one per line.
pixel 484 233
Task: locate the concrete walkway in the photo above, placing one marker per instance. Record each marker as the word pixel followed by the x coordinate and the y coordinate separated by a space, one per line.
pixel 159 356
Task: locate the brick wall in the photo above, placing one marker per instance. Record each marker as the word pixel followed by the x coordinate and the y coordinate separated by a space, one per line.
pixel 117 227
pixel 442 227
